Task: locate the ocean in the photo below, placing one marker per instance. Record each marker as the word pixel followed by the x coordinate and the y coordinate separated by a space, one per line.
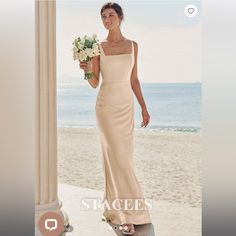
pixel 171 106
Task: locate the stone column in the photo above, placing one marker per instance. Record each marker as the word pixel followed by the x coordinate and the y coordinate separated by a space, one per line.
pixel 46 186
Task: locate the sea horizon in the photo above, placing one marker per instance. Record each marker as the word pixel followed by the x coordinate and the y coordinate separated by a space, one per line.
pixel 172 106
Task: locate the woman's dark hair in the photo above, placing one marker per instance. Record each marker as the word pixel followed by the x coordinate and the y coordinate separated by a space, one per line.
pixel 114 6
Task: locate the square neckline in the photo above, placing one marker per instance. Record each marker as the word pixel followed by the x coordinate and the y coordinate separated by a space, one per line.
pixel 132 51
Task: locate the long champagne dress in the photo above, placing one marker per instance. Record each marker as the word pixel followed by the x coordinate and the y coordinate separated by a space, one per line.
pixel 115 120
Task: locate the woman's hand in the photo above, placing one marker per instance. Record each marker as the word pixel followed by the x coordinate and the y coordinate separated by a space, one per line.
pixel 146 118
pixel 86 66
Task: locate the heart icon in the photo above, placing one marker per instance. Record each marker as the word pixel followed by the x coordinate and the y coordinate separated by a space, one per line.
pixel 191 10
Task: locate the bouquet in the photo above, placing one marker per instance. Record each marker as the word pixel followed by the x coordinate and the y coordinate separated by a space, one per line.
pixel 85 49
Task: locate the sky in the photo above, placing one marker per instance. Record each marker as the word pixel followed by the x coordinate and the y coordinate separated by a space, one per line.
pixel 169 42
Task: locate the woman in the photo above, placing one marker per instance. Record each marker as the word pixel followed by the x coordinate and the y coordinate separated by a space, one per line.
pixel 115 118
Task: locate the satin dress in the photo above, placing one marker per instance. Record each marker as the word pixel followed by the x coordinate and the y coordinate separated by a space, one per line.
pixel 115 120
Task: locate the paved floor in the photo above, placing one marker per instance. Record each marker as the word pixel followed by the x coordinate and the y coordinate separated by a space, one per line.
pixel 168 219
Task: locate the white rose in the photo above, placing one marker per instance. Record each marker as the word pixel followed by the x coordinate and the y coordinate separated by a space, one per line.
pixel 82 55
pixel 82 41
pixel 96 52
pixel 80 46
pixel 75 49
pixel 76 55
pixel 96 49
pixel 89 52
pixel 95 46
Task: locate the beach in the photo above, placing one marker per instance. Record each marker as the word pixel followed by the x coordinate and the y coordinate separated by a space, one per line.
pixel 167 164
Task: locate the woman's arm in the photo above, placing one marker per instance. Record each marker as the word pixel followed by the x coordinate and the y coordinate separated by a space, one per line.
pixel 137 89
pixel 92 66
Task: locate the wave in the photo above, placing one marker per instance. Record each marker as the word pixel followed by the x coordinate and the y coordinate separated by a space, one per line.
pixel 150 129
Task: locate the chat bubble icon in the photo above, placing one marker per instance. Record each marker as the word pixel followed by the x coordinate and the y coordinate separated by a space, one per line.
pixel 50 224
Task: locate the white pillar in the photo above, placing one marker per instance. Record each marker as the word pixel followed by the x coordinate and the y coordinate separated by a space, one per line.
pixel 46 186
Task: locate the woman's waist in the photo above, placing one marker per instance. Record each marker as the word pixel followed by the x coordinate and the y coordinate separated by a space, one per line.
pixel 115 82
pixel 115 98
pixel 115 87
pixel 115 91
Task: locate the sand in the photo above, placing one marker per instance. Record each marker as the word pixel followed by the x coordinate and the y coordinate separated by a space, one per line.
pixel 167 164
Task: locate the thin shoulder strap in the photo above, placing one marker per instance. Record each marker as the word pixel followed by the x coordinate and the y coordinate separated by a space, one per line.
pixel 132 46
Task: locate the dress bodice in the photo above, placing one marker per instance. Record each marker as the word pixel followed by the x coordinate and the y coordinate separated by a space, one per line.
pixel 116 68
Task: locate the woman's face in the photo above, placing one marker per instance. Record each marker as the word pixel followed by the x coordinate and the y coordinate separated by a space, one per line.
pixel 110 19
